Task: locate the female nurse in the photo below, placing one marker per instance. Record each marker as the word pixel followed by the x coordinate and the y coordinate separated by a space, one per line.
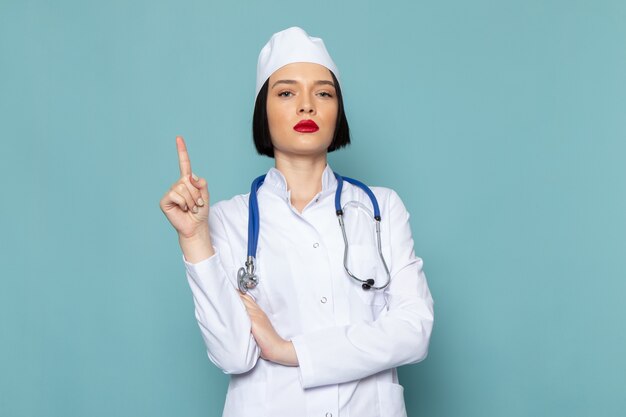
pixel 308 339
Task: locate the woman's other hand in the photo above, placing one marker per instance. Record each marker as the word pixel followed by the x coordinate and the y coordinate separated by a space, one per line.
pixel 273 347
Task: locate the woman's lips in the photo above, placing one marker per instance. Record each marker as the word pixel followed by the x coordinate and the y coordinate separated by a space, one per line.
pixel 306 126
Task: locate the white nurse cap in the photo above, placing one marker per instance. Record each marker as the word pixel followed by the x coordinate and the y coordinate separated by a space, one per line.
pixel 288 46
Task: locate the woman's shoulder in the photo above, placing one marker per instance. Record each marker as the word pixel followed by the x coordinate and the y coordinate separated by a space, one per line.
pixel 389 198
pixel 232 207
pixel 384 193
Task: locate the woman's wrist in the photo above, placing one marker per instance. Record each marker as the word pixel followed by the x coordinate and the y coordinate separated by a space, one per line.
pixel 196 248
pixel 287 354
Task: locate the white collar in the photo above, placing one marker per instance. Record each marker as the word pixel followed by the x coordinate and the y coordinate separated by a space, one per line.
pixel 276 181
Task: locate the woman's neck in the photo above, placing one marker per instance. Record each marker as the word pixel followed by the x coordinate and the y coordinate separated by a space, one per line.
pixel 303 175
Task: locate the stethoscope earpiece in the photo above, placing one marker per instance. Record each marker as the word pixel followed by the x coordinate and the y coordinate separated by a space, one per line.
pixel 368 285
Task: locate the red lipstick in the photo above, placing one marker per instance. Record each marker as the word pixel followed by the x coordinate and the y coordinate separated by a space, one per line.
pixel 306 126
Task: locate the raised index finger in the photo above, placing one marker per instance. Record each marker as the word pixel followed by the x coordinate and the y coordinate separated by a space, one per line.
pixel 183 157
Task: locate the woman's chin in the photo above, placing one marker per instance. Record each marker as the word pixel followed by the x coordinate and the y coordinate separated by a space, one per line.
pixel 304 145
pixel 312 151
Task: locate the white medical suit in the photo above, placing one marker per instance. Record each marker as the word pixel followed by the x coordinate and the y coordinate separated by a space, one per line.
pixel 348 341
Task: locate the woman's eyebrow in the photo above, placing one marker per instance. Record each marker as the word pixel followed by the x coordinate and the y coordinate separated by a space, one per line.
pixel 318 82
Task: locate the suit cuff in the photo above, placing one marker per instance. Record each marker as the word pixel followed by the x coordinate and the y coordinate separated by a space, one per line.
pixel 208 267
pixel 201 263
pixel 304 360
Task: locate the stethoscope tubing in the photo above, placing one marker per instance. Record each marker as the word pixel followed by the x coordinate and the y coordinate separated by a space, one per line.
pixel 368 191
pixel 246 275
pixel 253 216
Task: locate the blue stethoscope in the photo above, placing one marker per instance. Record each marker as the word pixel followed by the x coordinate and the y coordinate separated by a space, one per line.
pixel 246 276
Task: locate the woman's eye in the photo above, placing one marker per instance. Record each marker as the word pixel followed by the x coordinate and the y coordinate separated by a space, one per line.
pixel 284 94
pixel 325 94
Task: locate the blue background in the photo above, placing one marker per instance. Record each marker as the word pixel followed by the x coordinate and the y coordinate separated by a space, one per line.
pixel 501 124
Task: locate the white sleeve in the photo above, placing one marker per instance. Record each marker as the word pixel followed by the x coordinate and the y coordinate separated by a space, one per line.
pixel 220 312
pixel 401 336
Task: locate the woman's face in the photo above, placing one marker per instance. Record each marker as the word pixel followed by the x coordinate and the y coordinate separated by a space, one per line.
pixel 296 92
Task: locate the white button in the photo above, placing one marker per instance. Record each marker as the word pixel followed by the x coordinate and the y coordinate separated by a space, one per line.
pixel 315 245
pixel 323 299
pixel 329 414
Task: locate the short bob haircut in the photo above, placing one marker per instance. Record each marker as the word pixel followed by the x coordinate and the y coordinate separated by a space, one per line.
pixel 261 128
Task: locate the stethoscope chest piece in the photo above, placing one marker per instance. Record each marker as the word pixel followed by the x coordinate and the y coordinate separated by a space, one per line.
pixel 246 277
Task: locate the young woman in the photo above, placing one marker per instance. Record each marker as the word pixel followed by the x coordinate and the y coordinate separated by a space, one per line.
pixel 309 318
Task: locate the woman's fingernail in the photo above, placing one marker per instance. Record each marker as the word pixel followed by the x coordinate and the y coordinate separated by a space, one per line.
pixel 200 202
pixel 195 209
pixel 194 177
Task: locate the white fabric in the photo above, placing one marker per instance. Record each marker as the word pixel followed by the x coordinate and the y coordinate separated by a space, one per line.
pixel 289 46
pixel 349 346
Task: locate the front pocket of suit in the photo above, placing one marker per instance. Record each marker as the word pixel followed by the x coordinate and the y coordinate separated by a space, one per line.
pixel 391 400
pixel 246 400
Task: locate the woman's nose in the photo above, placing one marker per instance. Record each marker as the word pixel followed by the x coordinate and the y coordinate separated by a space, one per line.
pixel 306 106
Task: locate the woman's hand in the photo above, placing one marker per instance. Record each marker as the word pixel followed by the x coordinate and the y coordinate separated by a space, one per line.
pixel 186 203
pixel 273 347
